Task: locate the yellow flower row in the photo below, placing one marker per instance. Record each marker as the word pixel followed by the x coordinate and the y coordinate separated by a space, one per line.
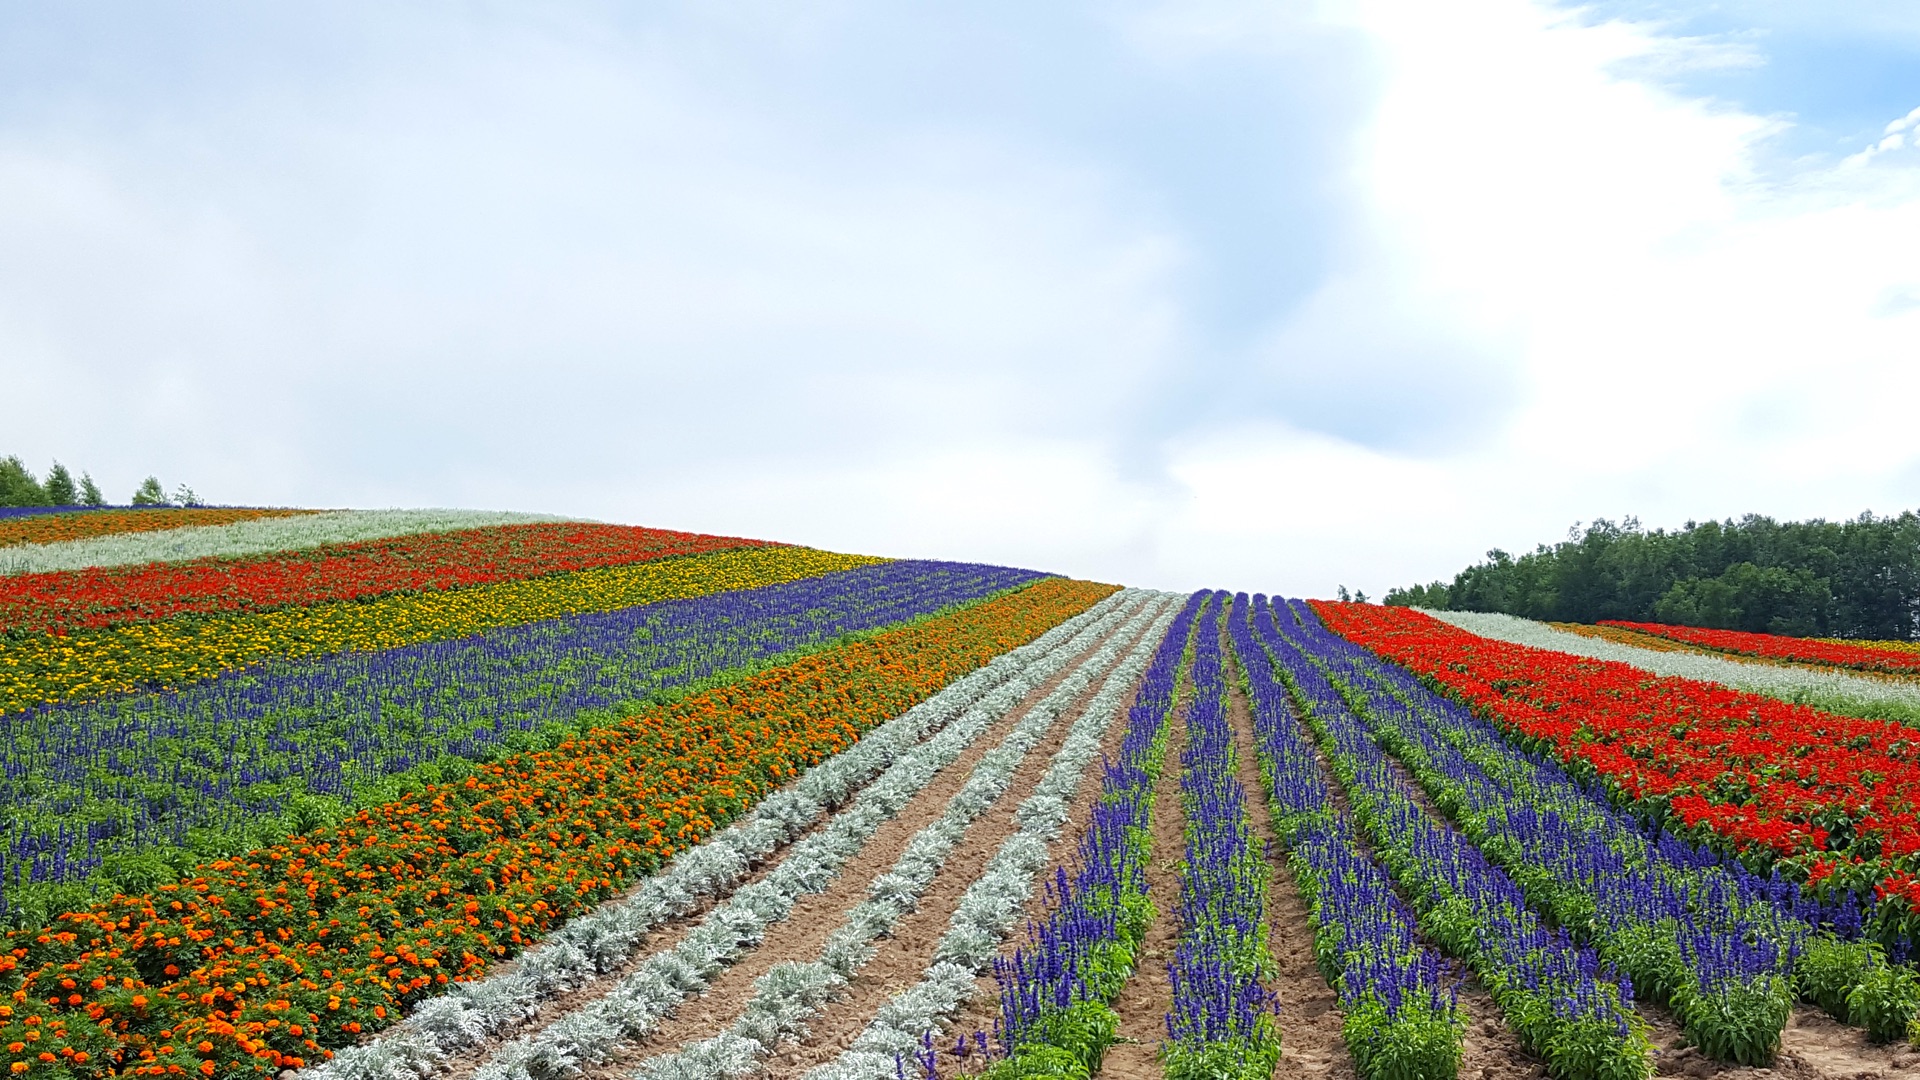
pixel 42 668
pixel 1897 646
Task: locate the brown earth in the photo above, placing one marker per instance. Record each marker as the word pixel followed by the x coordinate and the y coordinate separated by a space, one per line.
pixel 1148 996
pixel 979 1014
pixel 1311 1047
pixel 814 918
pixel 1489 1049
pixel 1814 1046
pixel 905 954
pixel 670 934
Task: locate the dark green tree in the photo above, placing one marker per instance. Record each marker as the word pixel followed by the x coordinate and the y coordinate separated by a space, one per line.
pixel 1858 578
pixel 17 485
pixel 60 487
pixel 90 492
pixel 150 493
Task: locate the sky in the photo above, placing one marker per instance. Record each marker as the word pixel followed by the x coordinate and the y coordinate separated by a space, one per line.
pixel 1269 296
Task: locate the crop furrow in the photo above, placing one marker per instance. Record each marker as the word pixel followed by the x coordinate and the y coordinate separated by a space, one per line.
pixel 987 910
pixel 601 941
pixel 640 1001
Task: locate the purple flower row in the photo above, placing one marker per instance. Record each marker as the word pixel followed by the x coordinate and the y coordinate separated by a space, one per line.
pixel 1558 995
pixel 1222 1023
pixel 1397 1000
pixel 1078 957
pixel 161 771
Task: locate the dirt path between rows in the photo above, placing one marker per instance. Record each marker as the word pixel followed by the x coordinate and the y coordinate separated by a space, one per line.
pixel 1148 996
pixel 1490 1050
pixel 805 931
pixel 1814 1046
pixel 1311 1045
pixel 904 954
pixel 463 1065
pixel 979 1014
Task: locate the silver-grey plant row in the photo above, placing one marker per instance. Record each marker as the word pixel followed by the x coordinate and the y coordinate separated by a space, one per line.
pixel 257 537
pixel 606 938
pixel 642 1000
pixel 787 996
pixel 1835 691
pixel 990 907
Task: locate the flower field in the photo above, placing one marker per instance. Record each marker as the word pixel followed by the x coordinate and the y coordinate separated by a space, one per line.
pixel 1862 655
pixel 55 527
pixel 402 795
pixel 66 601
pixel 46 669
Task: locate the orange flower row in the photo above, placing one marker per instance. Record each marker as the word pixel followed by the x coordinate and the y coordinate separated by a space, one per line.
pixel 268 961
pixel 80 525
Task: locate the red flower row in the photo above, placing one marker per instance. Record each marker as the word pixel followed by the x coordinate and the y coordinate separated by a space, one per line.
pixel 1765 775
pixel 1774 647
pixel 104 596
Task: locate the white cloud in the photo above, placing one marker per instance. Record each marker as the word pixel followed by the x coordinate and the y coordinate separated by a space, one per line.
pixel 669 278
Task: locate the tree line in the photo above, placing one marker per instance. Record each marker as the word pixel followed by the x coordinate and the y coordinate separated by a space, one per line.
pixel 1857 579
pixel 19 487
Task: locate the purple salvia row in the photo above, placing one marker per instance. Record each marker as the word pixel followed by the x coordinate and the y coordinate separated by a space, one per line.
pixel 1562 1000
pixel 1397 1000
pixel 1694 928
pixel 235 750
pixel 1222 1023
pixel 1068 959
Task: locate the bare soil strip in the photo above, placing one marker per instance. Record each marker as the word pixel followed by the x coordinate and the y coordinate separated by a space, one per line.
pixel 904 954
pixel 804 932
pixel 1490 1049
pixel 1814 1046
pixel 888 842
pixel 1311 1045
pixel 979 1014
pixel 1148 996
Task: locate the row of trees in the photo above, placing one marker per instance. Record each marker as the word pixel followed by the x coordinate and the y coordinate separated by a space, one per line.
pixel 1858 578
pixel 18 487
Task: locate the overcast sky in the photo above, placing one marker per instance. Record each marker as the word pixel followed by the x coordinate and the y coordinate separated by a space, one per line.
pixel 1259 295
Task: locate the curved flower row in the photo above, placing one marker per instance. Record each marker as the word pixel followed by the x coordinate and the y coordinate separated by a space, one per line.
pixel 43 669
pixel 791 993
pixel 64 602
pixel 267 961
pixel 1831 795
pixel 1775 647
pixel 1222 1023
pixel 1911 647
pixel 879 774
pixel 65 524
pixel 1399 1011
pixel 1839 691
pixel 240 539
pixel 1056 992
pixel 989 908
pixel 1566 1004
pixel 241 761
pixel 1694 929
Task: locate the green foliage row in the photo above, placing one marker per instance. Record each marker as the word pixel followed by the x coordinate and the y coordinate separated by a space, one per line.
pixel 1858 578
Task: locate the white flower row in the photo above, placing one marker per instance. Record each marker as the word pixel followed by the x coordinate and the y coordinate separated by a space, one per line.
pixel 1835 691
pixel 605 938
pixel 257 537
pixel 788 995
pixel 990 907
pixel 638 1003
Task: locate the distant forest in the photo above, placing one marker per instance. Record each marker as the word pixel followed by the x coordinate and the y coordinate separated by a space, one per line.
pixel 1856 579
pixel 19 487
